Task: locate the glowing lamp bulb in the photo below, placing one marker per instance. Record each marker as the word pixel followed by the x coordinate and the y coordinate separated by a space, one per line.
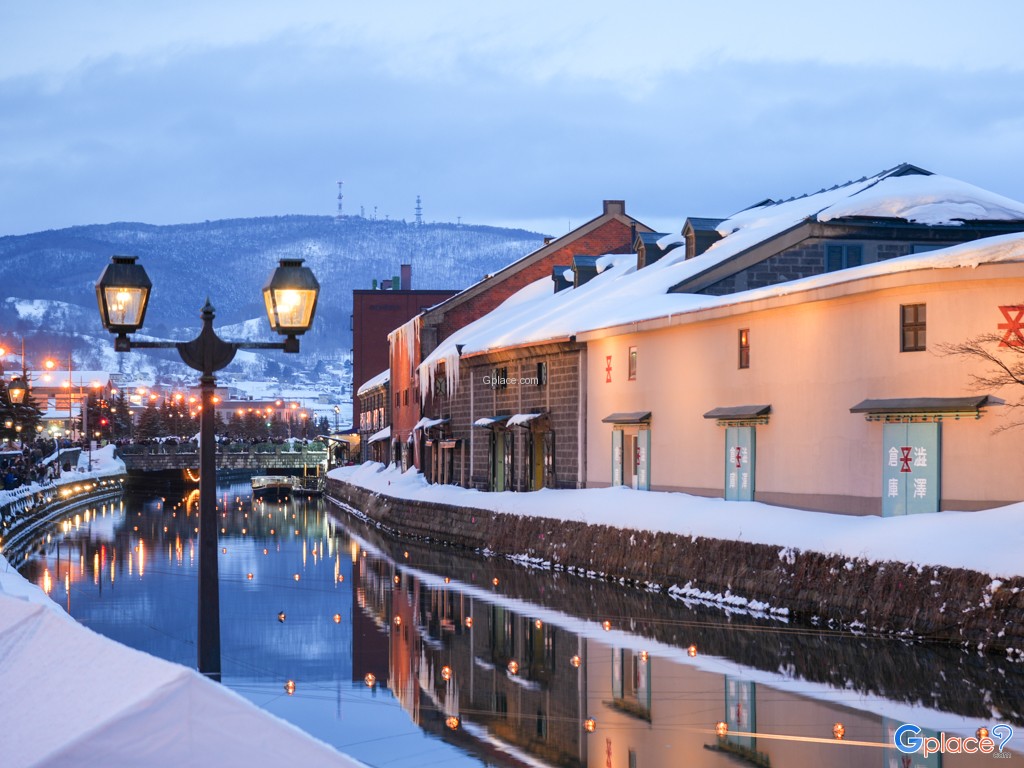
pixel 370 679
pixel 446 673
pixel 839 731
pixel 289 687
pixel 721 729
pixel 281 617
pixel 337 618
pixel 691 651
pixel 513 667
pixel 590 725
pixel 575 661
pixel 452 722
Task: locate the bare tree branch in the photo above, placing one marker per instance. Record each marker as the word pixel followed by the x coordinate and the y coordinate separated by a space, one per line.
pixel 1004 366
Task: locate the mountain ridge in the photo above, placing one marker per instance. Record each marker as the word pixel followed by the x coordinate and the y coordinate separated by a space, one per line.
pixel 228 261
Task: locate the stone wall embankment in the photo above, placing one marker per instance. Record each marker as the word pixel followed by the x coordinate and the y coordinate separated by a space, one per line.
pixel 936 603
pixel 31 506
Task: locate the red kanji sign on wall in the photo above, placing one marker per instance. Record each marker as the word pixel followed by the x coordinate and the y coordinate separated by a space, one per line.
pixel 1014 336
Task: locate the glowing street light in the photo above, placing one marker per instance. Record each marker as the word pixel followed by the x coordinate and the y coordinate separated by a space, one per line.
pixel 290 295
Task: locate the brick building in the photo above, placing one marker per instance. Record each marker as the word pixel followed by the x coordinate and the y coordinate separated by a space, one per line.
pixel 377 311
pixel 431 426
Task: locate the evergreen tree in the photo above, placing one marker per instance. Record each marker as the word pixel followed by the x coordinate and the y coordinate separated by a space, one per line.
pixel 151 423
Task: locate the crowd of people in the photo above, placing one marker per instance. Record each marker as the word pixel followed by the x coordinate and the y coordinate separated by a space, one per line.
pixel 34 462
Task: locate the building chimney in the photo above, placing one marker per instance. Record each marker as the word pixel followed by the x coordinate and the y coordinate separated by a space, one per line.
pixel 611 207
pixel 407 277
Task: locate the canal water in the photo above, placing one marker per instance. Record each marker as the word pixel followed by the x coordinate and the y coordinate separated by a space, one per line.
pixel 402 654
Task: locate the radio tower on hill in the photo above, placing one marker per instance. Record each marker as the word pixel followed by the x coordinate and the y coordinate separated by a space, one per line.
pixel 341 197
pixel 419 211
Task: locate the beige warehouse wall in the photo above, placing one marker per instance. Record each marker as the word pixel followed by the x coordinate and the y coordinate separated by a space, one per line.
pixel 813 356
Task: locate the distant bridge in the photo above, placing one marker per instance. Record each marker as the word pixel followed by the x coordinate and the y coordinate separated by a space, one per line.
pixel 259 457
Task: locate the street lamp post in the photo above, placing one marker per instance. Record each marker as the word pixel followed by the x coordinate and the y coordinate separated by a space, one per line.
pixel 290 295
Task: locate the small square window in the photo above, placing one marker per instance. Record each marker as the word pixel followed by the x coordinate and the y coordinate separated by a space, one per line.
pixel 632 363
pixel 744 348
pixel 912 327
pixel 843 256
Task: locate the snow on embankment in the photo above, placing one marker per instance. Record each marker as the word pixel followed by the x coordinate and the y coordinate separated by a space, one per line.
pixel 952 576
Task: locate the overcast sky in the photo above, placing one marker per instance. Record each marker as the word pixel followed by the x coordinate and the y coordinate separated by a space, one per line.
pixel 523 114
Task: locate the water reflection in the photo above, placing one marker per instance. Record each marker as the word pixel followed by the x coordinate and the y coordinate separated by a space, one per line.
pixel 400 653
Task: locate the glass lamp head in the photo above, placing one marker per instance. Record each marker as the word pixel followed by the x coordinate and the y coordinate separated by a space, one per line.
pixel 122 293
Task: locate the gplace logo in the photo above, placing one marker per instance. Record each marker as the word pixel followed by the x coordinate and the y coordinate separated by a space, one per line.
pixel 908 741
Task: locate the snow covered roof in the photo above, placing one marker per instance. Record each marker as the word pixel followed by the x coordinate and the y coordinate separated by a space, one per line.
pixel 381 378
pixel 905 193
pixel 381 434
pixel 116 705
pixel 620 294
pixel 59 378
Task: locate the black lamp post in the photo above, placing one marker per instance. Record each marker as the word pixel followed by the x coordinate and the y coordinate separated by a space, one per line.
pixel 290 294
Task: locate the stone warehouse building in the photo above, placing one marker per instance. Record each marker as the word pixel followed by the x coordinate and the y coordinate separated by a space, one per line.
pixel 430 430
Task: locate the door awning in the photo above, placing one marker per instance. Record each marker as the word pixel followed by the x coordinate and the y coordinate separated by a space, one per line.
pixel 427 423
pixel 523 419
pixel 736 413
pixel 383 434
pixel 632 417
pixel 490 421
pixel 924 407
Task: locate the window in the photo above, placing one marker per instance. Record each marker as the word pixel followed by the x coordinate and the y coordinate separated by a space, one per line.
pixel 499 378
pixel 744 348
pixel 843 256
pixel 912 328
pixel 542 374
pixel 632 363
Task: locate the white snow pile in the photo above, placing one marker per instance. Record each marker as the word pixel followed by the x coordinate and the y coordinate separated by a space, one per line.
pixel 381 378
pixel 988 542
pixel 74 697
pixel 935 199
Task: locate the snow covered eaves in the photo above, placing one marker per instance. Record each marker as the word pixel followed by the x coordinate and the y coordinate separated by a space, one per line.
pixel 380 379
pixel 1005 249
pixel 381 434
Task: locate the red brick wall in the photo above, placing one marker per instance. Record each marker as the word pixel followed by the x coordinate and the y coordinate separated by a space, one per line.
pixel 374 315
pixel 611 237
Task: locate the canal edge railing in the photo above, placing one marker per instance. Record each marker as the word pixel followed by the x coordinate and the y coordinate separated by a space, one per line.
pixel 932 603
pixel 31 506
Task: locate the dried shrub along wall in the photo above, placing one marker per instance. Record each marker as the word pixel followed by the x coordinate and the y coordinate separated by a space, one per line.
pixel 936 603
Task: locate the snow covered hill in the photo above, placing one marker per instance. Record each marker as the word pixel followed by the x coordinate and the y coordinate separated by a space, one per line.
pixel 49 278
